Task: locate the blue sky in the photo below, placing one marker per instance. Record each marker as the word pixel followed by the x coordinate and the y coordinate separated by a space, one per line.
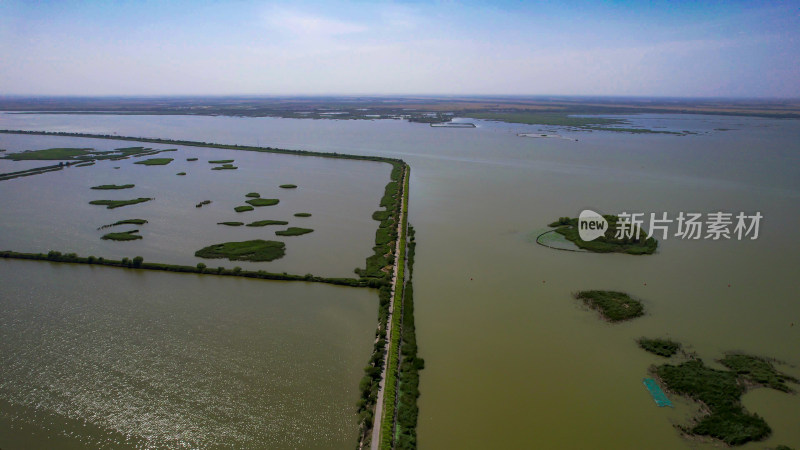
pixel 675 48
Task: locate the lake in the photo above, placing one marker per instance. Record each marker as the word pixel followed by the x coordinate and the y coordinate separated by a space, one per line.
pixel 511 358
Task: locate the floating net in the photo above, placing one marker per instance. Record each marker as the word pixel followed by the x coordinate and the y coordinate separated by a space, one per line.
pixel 655 390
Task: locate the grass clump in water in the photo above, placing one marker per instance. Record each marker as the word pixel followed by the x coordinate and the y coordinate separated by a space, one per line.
pixel 123 236
pixel 225 167
pixel 660 347
pixel 221 161
pixel 181 173
pixel 263 201
pixel 294 231
pixel 263 223
pixel 252 195
pixel 243 208
pixel 113 186
pixel 288 186
pixel 302 214
pixel 255 250
pixel 155 162
pixel 111 204
pixel 614 306
pixel 231 224
pixel 191 159
pixel 608 243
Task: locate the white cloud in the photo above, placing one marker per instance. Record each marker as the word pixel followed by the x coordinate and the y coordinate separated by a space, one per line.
pixel 310 25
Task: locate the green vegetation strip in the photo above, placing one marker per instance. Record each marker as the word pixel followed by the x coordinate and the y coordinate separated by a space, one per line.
pixel 294 231
pixel 124 222
pixel 289 186
pixel 243 208
pixel 252 195
pixel 231 224
pixel 123 236
pixel 111 204
pixel 113 186
pixel 263 223
pixel 137 263
pixel 302 214
pixel 613 306
pixel 221 161
pixel 608 243
pixel 255 250
pixel 390 383
pixel 191 159
pixel 181 173
pixel 262 201
pixel 49 154
pixel 155 162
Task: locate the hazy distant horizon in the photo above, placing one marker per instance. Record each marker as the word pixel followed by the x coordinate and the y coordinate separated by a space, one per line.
pixel 685 50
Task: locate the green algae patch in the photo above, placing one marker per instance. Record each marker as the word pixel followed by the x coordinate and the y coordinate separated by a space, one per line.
pixel 288 186
pixel 113 186
pixel 155 161
pixel 243 208
pixel 252 195
pixel 263 201
pixel 123 236
pixel 263 223
pixel 111 204
pixel 303 214
pixel 614 306
pixel 255 250
pixel 294 231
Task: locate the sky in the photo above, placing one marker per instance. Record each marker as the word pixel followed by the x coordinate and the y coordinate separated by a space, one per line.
pixel 584 48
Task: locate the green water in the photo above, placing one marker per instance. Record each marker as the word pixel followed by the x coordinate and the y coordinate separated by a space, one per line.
pixel 512 360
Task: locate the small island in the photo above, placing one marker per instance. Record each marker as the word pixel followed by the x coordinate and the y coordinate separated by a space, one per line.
pixel 263 223
pixel 255 250
pixel 231 224
pixel 613 306
pixel 181 173
pixel 263 201
pixel 155 162
pixel 221 161
pixel 643 245
pixel 294 231
pixel 191 159
pixel 113 186
pixel 111 204
pixel 252 195
pixel 243 208
pixel 124 222
pixel 660 347
pixel 302 214
pixel 225 167
pixel 288 186
pixel 122 236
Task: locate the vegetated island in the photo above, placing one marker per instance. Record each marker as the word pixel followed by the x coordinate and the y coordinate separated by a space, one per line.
pixel 124 222
pixel 255 250
pixel 614 306
pixel 231 224
pixel 243 208
pixel 181 173
pixel 221 161
pixel 262 201
pixel 122 236
pixel 294 231
pixel 191 159
pixel 225 167
pixel 155 162
pixel 111 204
pixel 720 392
pixel 288 186
pixel 302 214
pixel 113 186
pixel 252 195
pixel 660 347
pixel 263 223
pixel 86 164
pixel 608 243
